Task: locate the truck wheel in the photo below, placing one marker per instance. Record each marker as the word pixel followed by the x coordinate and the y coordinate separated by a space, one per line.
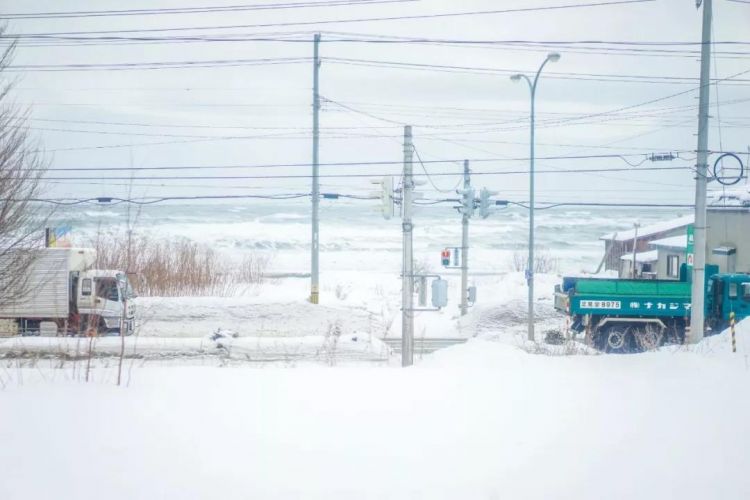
pixel 615 340
pixel 647 338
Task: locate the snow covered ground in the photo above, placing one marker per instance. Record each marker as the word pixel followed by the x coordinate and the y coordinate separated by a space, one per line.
pixel 492 418
pixel 480 420
pixel 354 303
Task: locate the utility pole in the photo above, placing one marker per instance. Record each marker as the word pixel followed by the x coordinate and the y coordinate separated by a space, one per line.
pixel 407 275
pixel 315 247
pixel 466 212
pixel 699 261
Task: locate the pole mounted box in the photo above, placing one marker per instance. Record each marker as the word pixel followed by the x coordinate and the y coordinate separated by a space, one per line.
pixel 439 293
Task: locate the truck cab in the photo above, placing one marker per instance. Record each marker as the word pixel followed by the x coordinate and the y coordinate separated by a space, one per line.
pixel 725 294
pixel 102 296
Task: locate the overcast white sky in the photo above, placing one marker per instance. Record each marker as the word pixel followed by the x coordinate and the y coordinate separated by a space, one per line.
pixel 455 114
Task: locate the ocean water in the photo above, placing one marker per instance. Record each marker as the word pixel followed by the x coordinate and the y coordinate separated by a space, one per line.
pixel 355 237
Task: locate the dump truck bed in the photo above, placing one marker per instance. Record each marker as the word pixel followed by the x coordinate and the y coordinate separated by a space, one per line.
pixel 624 297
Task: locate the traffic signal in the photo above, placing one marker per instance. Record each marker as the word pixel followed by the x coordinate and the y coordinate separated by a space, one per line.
pixel 386 196
pixel 445 257
pixel 484 202
pixel 467 201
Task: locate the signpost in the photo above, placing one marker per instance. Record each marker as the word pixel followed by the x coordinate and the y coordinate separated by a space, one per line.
pixel 689 249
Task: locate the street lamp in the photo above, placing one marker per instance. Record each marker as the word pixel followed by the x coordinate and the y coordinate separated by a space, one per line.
pixel 551 57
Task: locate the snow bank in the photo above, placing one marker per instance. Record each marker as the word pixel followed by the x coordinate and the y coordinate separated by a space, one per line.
pixel 481 420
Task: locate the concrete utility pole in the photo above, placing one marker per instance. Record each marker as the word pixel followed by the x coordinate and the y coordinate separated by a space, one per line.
pixel 407 274
pixel 315 248
pixel 465 244
pixel 699 257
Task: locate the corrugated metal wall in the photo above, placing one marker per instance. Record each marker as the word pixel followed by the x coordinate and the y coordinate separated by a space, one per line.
pixel 46 291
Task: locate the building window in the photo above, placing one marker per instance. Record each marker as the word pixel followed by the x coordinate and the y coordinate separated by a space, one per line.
pixel 673 266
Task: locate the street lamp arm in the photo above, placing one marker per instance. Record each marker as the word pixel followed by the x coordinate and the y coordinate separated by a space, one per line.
pixel 528 80
pixel 539 72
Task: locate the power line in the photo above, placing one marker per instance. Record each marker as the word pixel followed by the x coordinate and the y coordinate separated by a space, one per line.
pixel 150 201
pixel 156 65
pixel 194 10
pixel 113 201
pixel 457 162
pixel 600 47
pixel 369 174
pixel 602 77
pixel 354 20
pixel 549 205
pixel 427 174
pixel 651 101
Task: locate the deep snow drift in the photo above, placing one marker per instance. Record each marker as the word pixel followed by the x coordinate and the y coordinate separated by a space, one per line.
pixel 481 420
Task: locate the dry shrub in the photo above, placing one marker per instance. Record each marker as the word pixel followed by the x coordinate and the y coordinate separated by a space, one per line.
pixel 544 262
pixel 177 268
pixel 252 269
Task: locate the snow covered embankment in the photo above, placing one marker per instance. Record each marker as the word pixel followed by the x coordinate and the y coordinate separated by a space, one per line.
pixel 481 420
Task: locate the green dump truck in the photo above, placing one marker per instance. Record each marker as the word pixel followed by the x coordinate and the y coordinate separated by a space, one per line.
pixel 624 315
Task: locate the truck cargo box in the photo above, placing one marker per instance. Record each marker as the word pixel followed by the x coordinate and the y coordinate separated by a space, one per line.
pixel 46 291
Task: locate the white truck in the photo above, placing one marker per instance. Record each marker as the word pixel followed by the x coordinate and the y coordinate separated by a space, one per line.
pixel 62 294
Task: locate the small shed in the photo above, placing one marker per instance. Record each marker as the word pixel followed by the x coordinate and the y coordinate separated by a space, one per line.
pixel 671 254
pixel 620 243
pixel 644 265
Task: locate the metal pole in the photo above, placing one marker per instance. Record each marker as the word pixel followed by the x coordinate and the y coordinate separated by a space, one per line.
pixel 407 275
pixel 530 269
pixel 551 57
pixel 635 247
pixel 315 249
pixel 465 244
pixel 699 258
pixel 422 291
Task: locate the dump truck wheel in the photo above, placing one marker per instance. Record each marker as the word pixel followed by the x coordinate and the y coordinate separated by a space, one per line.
pixel 616 340
pixel 647 338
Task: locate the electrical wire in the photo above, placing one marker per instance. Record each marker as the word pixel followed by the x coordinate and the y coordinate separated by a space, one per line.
pixel 150 201
pixel 427 175
pixel 441 15
pixel 193 10
pixel 363 163
pixel 113 201
pixel 367 175
pixel 156 65
pixel 599 77
pixel 548 205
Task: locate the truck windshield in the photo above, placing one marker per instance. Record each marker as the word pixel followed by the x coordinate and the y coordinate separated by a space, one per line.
pixel 127 290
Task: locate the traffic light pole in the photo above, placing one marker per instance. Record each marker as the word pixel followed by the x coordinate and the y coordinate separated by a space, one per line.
pixel 407 274
pixel 465 244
